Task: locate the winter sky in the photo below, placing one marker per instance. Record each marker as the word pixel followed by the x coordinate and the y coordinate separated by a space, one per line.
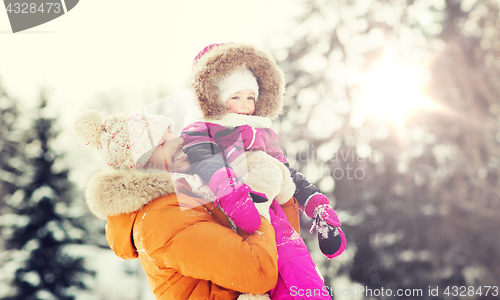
pixel 135 49
pixel 131 46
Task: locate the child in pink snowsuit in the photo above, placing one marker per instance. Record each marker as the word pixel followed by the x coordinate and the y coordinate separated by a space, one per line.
pixel 235 152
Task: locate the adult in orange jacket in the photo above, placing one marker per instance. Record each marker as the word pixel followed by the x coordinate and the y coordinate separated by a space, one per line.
pixel 184 243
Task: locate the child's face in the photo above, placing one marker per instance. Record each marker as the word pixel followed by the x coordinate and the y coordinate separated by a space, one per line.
pixel 170 152
pixel 242 102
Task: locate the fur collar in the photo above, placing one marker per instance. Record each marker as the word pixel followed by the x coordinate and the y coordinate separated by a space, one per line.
pixel 233 120
pixel 112 192
pixel 222 60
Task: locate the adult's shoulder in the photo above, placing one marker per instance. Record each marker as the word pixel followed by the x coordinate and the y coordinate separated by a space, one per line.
pixel 118 191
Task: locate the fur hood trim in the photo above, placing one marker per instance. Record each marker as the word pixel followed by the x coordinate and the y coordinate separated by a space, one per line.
pixel 112 192
pixel 234 120
pixel 224 59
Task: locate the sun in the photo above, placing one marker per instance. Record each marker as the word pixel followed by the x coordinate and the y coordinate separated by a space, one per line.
pixel 393 90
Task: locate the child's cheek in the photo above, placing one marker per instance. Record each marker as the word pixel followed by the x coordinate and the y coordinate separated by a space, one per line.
pixel 232 107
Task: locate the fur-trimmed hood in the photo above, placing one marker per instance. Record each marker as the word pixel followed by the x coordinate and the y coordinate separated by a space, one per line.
pixel 226 58
pixel 112 192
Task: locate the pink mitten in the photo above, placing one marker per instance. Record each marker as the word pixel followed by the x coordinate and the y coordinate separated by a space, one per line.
pixel 234 198
pixel 331 238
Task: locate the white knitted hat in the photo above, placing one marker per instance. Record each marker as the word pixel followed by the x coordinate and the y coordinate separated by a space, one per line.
pixel 237 81
pixel 123 141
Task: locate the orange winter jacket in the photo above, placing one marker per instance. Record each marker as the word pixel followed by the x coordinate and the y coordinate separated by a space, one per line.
pixel 186 253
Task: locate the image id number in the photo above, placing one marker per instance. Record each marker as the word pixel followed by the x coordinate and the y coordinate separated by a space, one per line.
pixel 463 291
pixel 32 8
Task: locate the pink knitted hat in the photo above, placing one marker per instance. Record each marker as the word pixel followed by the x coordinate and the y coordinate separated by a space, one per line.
pixel 123 141
pixel 205 50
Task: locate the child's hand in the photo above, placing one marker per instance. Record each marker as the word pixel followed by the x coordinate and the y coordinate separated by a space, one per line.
pixel 234 199
pixel 238 206
pixel 325 213
pixel 331 238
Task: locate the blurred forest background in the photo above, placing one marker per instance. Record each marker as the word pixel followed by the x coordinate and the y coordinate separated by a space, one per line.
pixel 393 110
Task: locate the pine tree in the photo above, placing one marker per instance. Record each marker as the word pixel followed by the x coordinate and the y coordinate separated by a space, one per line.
pixel 10 157
pixel 36 245
pixel 12 178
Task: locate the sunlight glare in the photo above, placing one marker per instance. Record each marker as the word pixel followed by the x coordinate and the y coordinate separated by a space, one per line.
pixel 393 90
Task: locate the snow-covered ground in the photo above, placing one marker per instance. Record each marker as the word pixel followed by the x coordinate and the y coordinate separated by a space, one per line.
pixel 115 279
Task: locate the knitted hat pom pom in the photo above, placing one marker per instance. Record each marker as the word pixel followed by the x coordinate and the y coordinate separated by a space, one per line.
pixel 88 128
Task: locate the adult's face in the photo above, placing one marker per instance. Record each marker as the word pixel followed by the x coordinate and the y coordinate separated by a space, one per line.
pixel 169 155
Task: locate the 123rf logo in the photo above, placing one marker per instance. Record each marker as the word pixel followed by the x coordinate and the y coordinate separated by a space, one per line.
pixel 28 14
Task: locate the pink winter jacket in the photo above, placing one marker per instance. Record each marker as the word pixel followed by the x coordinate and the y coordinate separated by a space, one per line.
pixel 218 146
pixel 211 146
